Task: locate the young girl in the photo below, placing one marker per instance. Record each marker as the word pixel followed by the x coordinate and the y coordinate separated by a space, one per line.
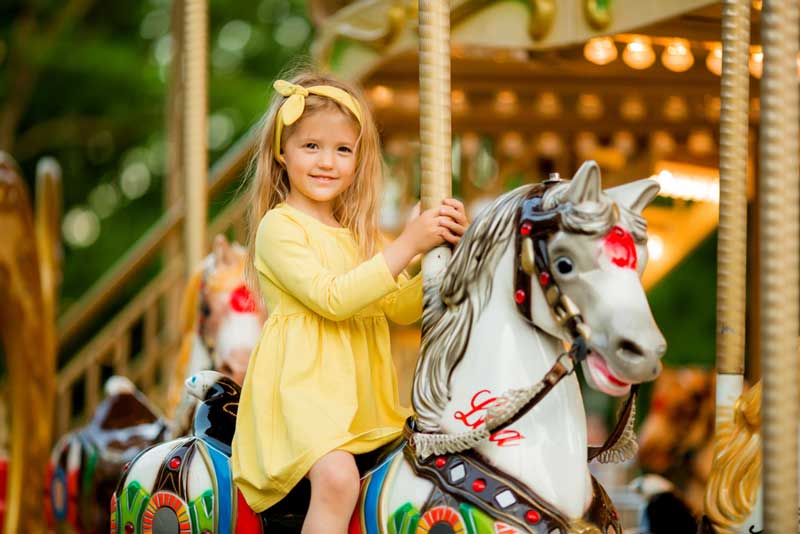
pixel 321 384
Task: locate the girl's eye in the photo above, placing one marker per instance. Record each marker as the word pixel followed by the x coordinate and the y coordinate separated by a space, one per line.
pixel 564 265
pixel 311 145
pixel 345 149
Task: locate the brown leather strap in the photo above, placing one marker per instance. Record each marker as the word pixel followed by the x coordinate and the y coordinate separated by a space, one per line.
pixel 553 377
pixel 619 428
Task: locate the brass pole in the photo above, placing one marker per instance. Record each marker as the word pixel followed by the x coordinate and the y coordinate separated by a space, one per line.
pixel 732 237
pixel 173 183
pixel 434 133
pixel 195 129
pixel 778 203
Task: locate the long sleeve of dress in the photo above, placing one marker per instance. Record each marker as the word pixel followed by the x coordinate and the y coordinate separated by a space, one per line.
pixel 283 253
pixel 404 306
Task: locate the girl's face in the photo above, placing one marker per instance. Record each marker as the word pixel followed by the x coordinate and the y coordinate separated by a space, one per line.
pixel 320 158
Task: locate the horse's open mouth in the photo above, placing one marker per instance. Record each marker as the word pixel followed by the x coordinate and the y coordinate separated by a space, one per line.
pixel 603 378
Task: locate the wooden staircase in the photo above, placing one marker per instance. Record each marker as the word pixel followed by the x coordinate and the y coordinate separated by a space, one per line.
pixel 141 340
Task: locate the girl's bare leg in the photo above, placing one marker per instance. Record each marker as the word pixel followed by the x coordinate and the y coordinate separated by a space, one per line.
pixel 334 492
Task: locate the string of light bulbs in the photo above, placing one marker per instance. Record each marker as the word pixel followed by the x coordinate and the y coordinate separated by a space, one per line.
pixel 677 54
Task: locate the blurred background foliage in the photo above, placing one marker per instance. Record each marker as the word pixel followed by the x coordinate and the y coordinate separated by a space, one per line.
pixel 85 81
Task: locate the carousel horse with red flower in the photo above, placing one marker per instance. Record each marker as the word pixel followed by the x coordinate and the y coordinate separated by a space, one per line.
pixel 221 323
pixel 498 443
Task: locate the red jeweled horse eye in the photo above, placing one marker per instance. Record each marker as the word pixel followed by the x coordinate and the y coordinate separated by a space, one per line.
pixel 619 247
pixel 242 300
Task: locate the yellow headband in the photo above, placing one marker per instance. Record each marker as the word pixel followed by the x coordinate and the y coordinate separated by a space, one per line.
pixel 295 103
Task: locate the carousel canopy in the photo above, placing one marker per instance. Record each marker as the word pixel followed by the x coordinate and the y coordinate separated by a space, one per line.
pixel 539 87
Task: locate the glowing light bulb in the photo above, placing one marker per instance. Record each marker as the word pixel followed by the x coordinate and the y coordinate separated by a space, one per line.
pixel 662 142
pixel 756 61
pixel 714 60
pixel 458 100
pixel 550 144
pixel 675 108
pixel 382 96
pixel 655 247
pixel 548 105
pixel 506 102
pixel 632 108
pixel 701 142
pixel 678 57
pixel 638 54
pixel 590 106
pixel 600 50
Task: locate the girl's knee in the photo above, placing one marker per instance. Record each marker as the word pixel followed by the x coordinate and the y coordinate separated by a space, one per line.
pixel 335 474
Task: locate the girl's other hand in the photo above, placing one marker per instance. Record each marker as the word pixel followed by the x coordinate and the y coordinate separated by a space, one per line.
pixel 453 219
pixel 425 231
pixel 421 234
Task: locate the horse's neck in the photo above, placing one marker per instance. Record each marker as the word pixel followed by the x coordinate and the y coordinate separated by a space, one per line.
pixel 546 448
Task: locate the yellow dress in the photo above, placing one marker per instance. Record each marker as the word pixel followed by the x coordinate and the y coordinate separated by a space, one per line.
pixel 321 377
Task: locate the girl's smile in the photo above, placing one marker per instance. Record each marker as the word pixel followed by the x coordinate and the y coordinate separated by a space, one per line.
pixel 320 160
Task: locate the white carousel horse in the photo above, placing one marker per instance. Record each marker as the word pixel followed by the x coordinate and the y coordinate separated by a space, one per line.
pixel 496 324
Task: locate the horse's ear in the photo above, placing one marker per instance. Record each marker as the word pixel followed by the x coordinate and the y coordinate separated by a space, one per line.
pixel 635 195
pixel 223 253
pixel 585 185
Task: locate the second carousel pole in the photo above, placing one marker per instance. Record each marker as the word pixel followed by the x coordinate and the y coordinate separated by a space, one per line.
pixel 778 216
pixel 434 132
pixel 195 159
pixel 732 235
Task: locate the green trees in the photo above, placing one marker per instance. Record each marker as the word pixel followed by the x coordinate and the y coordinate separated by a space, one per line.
pixel 87 82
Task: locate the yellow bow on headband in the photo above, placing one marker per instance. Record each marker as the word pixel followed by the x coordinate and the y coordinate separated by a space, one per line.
pixel 295 103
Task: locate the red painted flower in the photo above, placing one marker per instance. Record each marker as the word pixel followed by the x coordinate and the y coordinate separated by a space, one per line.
pixel 242 300
pixel 619 247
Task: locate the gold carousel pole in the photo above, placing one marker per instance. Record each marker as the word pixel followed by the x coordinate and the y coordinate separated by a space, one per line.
pixel 434 131
pixel 778 205
pixel 732 237
pixel 195 159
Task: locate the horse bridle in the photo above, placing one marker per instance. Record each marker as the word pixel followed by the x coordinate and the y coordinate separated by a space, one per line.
pixel 534 228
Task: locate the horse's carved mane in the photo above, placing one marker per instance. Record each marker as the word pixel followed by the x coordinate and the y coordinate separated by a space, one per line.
pixel 449 310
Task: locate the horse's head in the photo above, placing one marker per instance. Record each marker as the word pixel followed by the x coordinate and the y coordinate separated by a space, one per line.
pixel 569 254
pixel 595 256
pixel 231 318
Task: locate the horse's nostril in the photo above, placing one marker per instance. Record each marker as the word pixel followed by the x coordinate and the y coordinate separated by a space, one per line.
pixel 631 347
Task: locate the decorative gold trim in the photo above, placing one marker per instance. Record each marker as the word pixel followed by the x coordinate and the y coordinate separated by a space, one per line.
pixel 598 17
pixel 580 526
pixel 543 13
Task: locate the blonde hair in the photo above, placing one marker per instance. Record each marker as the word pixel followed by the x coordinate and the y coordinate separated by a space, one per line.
pixel 736 477
pixel 357 207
